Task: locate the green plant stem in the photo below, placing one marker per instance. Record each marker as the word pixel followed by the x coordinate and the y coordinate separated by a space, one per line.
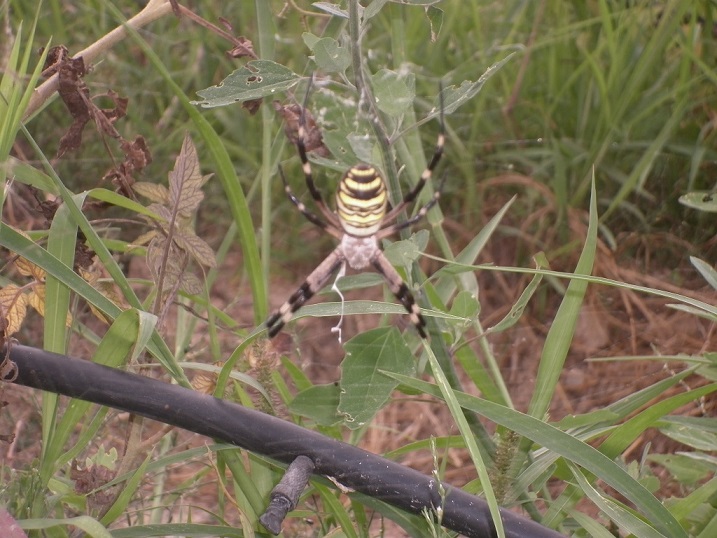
pixel 265 28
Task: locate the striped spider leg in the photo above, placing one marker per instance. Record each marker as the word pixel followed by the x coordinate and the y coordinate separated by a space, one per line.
pixel 360 221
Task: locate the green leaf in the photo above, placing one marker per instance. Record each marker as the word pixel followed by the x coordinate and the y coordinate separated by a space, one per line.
pixel 690 431
pixel 402 253
pixel 257 79
pixel 319 403
pixel 329 55
pixel 560 335
pixel 465 305
pixel 364 390
pixel 706 270
pixel 435 19
pixel 702 200
pixel 569 448
pixel 453 97
pixel 394 93
pixel 684 468
pixel 620 515
pixel 512 317
pixel 85 523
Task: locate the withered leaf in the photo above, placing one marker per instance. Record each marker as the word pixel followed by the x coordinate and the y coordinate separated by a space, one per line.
pixel 84 255
pixel 154 191
pixel 55 57
pixel 186 180
pixel 27 268
pixel 174 266
pixel 48 208
pixel 13 306
pixel 162 211
pixel 191 284
pixel 243 48
pixel 75 95
pixel 313 139
pixel 196 247
pixel 137 154
pixel 252 105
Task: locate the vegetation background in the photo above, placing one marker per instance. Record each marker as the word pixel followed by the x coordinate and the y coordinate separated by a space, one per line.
pixel 592 141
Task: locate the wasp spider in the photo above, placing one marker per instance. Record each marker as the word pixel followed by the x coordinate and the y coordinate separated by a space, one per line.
pixel 361 220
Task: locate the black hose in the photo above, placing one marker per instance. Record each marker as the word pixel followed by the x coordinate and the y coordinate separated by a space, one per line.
pixel 257 432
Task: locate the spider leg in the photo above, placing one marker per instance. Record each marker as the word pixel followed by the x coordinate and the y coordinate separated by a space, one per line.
pixel 427 173
pixel 306 165
pixel 389 230
pixel 330 227
pixel 313 283
pixel 399 288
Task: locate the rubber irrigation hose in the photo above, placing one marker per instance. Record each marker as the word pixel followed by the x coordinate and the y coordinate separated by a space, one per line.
pixel 264 434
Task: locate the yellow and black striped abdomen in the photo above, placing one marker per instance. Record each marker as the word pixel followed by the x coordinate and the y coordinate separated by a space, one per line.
pixel 361 200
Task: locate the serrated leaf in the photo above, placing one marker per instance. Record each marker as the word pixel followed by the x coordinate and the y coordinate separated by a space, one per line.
pixel 161 211
pixel 364 389
pixel 191 284
pixel 394 93
pixel 13 305
pixel 185 180
pixel 154 191
pixel 196 247
pixel 257 79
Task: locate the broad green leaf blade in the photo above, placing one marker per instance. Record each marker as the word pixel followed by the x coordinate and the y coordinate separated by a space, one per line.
pixel 394 93
pixel 257 79
pixel 364 389
pixel 329 55
pixel 319 403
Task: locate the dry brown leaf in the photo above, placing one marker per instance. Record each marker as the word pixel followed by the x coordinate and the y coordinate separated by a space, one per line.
pixel 153 191
pixel 13 306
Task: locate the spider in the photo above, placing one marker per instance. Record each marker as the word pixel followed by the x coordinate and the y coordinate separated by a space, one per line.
pixel 361 220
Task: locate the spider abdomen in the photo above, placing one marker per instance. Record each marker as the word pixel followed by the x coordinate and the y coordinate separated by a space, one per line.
pixel 361 200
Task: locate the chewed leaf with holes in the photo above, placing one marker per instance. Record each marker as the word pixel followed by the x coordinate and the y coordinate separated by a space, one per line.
pixel 255 80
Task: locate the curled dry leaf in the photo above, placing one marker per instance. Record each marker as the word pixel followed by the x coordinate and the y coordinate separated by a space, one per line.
pixel 313 139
